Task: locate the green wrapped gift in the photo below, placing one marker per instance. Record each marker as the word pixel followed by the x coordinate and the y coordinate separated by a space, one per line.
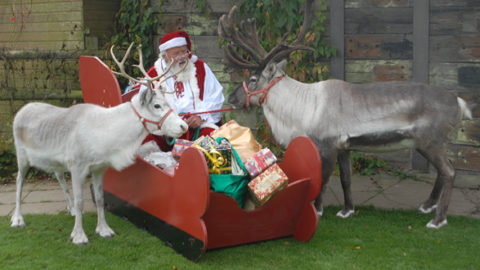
pixel 235 183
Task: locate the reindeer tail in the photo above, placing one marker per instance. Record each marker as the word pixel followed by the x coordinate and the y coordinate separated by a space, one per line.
pixel 465 111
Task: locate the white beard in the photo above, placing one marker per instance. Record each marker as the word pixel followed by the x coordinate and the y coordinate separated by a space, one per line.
pixel 187 74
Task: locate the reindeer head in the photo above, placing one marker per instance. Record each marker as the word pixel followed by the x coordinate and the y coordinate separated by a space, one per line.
pixel 255 89
pixel 150 105
pixel 260 62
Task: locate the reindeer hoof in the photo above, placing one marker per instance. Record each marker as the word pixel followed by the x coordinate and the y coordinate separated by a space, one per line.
pixel 105 232
pixel 17 221
pixel 345 214
pixel 79 239
pixel 433 225
pixel 429 210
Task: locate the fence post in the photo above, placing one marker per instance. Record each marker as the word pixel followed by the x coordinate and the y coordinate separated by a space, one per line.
pixel 337 33
pixel 421 22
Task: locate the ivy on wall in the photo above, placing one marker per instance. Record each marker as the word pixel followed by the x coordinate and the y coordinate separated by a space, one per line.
pixel 136 21
pixel 276 17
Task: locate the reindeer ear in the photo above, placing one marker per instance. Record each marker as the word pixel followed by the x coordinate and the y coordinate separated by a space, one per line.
pixel 270 70
pixel 282 64
pixel 146 96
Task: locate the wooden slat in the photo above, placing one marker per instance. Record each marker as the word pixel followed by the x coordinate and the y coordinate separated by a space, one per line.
pixel 378 47
pixel 377 3
pixel 378 21
pixel 362 71
pixel 465 157
pixel 455 3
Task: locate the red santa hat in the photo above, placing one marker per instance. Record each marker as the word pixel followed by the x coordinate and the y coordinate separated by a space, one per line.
pixel 175 39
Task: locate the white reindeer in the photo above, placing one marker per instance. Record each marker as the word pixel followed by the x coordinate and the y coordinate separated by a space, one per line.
pixel 87 139
pixel 340 117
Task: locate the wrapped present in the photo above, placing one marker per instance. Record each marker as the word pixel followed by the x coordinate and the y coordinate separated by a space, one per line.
pixel 205 142
pixel 260 162
pixel 240 137
pixel 265 185
pixel 234 184
pixel 179 147
pixel 218 161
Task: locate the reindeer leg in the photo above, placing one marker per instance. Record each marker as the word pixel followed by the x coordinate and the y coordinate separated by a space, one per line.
pixel 430 205
pixel 63 183
pixel 17 218
pixel 443 185
pixel 102 228
pixel 328 165
pixel 78 235
pixel 345 178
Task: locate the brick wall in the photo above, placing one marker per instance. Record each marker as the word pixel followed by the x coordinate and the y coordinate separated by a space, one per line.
pixel 40 42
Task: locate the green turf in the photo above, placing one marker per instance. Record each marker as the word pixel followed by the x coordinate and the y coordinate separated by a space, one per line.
pixel 373 239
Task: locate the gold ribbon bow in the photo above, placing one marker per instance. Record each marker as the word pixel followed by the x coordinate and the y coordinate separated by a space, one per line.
pixel 217 160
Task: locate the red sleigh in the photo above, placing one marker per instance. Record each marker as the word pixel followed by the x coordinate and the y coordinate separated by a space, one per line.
pixel 182 211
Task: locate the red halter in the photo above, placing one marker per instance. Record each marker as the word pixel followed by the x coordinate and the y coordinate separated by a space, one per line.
pixel 145 121
pixel 264 91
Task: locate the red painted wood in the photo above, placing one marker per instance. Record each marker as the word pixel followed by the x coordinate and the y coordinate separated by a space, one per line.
pixel 99 84
pixel 181 200
pixel 228 225
pixel 128 96
pixel 302 160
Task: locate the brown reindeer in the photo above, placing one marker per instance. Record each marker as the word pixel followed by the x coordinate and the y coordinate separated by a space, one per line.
pixel 340 116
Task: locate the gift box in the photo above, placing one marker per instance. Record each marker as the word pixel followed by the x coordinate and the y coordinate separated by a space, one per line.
pixel 265 185
pixel 179 147
pixel 219 161
pixel 205 142
pixel 260 162
pixel 240 137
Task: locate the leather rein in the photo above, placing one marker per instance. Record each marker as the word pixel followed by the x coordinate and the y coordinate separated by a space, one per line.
pixel 264 91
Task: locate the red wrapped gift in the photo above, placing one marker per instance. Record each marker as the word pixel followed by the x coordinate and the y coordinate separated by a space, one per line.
pixel 269 182
pixel 260 162
pixel 179 146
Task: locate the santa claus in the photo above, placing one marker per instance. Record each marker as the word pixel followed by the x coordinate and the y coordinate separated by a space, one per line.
pixel 195 89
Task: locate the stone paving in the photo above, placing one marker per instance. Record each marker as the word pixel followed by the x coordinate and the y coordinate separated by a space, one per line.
pixel 390 192
pixel 44 197
pixel 382 191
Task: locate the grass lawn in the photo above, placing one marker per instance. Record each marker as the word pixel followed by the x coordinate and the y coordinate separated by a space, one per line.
pixel 374 239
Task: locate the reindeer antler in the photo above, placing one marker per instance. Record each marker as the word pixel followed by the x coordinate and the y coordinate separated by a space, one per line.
pixel 146 80
pixel 246 38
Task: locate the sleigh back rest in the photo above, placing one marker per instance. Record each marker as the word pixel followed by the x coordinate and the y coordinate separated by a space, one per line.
pixel 99 84
pixel 128 96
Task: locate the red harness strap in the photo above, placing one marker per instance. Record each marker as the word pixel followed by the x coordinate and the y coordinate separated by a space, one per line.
pixel 264 91
pixel 145 121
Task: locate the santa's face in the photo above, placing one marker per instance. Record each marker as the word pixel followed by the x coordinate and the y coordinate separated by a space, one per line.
pixel 179 55
pixel 184 69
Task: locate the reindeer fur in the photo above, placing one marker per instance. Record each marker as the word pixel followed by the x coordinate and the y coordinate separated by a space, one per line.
pixel 383 116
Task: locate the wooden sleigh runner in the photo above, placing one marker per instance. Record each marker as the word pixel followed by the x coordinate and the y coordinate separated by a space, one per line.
pixel 182 211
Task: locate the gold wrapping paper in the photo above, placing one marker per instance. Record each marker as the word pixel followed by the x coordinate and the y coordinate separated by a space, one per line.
pixel 240 137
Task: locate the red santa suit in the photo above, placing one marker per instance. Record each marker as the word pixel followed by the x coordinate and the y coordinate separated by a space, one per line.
pixel 201 92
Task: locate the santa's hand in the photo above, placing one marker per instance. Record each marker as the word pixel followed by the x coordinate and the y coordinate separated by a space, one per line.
pixel 194 121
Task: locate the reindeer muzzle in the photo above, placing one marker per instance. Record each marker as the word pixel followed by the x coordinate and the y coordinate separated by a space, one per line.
pixel 145 120
pixel 264 91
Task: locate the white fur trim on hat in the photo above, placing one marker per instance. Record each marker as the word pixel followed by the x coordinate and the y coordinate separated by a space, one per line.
pixel 172 43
